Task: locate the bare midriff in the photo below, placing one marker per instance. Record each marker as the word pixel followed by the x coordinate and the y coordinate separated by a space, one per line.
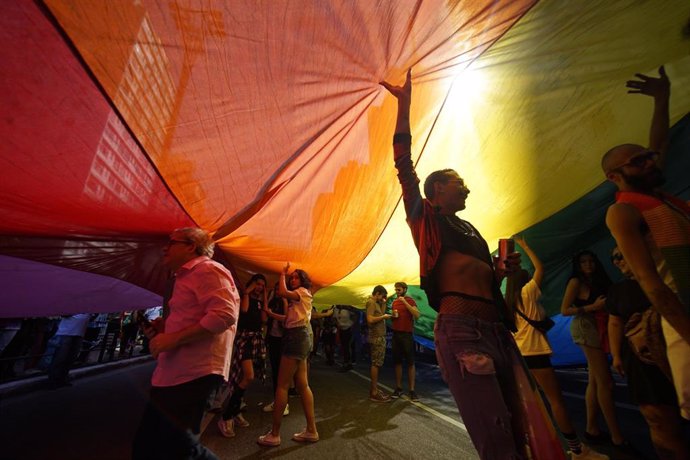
pixel 459 272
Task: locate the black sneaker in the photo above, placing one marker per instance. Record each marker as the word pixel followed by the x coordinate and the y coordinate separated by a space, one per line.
pixel 596 439
pixel 413 396
pixel 397 393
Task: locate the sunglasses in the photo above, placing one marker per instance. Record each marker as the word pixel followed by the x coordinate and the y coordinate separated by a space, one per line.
pixel 639 160
pixel 616 257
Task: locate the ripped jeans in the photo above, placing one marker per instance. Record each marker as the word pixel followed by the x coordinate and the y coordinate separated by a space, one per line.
pixel 476 365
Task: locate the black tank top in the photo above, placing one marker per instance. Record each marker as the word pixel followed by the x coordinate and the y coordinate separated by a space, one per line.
pixel 461 236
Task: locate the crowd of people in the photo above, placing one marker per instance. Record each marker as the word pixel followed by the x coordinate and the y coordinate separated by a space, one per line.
pixel 643 322
pixel 55 344
pixel 213 339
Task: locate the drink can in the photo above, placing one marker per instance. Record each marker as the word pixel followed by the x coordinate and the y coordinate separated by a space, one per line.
pixel 505 246
pixel 395 313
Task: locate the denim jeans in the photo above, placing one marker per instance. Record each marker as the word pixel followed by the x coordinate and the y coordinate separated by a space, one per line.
pixel 63 359
pixel 476 361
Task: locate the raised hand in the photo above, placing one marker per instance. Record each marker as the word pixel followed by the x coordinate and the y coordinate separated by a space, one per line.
pixel 520 241
pixel 402 93
pixel 650 86
pixel 286 268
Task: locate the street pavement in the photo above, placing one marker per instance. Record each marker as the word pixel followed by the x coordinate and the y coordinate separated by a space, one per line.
pixel 96 418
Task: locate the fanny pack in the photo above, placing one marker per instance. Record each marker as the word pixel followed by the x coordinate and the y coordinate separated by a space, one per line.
pixel 646 339
pixel 542 326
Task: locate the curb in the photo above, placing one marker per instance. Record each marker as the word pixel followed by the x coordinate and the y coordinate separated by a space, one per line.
pixel 38 382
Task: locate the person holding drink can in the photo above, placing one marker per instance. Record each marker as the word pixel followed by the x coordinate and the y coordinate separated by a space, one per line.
pixel 404 313
pixel 474 347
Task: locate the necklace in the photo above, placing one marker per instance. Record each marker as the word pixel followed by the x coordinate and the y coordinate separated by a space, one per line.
pixel 460 226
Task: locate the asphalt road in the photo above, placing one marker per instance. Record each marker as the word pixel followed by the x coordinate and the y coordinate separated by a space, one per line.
pixel 97 417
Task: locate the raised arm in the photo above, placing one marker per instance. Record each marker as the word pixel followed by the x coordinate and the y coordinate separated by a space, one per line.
pixel 411 307
pixel 660 89
pixel 538 275
pixel 282 286
pixel 404 95
pixel 244 303
pixel 371 309
pixel 402 145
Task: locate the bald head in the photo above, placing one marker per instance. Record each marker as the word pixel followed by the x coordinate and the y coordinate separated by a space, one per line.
pixel 618 155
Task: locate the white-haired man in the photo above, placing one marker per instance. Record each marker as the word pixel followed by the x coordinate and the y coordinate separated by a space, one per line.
pixel 193 346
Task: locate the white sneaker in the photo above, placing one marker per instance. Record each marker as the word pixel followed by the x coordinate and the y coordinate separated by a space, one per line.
pixel 240 421
pixel 588 454
pixel 269 408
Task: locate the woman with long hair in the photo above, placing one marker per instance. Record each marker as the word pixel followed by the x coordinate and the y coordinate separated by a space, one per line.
pixel 293 360
pixel 523 295
pixel 274 341
pixel 584 299
pixel 249 354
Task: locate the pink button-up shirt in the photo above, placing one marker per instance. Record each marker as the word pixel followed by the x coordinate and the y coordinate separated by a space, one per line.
pixel 204 294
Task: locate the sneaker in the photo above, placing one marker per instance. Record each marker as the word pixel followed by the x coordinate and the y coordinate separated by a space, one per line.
pixel 239 420
pixel 595 439
pixel 226 427
pixel 380 397
pixel 397 393
pixel 413 396
pixel 268 440
pixel 305 436
pixel 269 407
pixel 588 453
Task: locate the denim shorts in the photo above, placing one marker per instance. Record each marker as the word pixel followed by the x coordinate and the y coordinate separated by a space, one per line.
pixel 296 343
pixel 583 329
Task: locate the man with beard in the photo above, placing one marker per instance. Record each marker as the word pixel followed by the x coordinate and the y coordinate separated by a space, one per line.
pixel 652 230
pixel 476 352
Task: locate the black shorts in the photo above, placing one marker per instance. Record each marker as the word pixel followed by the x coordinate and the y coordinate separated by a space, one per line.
pixel 403 347
pixel 538 361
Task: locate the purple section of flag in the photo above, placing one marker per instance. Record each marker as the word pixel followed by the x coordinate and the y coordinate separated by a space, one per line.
pixel 35 289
